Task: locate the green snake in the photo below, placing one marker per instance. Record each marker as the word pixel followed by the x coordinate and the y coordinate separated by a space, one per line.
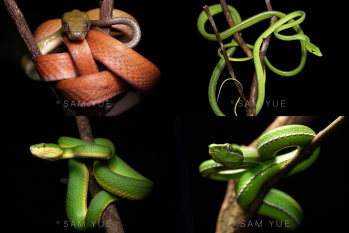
pixel 252 170
pixel 116 177
pixel 284 22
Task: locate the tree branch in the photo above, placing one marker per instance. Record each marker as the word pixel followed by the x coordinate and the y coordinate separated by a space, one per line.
pixel 33 49
pixel 251 103
pixel 107 7
pixel 230 68
pixel 231 23
pixel 110 217
pixel 254 85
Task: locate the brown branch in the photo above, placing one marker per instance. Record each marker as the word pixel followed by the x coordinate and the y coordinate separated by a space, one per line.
pixel 251 104
pixel 107 7
pixel 254 85
pixel 230 68
pixel 23 28
pixel 230 211
pixel 110 216
pixel 33 49
pixel 231 23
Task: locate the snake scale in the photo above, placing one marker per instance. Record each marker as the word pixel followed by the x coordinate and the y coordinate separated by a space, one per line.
pixel 230 161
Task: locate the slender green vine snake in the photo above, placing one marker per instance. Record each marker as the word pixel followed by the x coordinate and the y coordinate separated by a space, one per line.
pixel 285 21
pixel 116 177
pixel 252 170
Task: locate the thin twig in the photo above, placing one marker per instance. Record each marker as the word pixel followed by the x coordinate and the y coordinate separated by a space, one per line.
pixel 254 85
pixel 232 74
pixel 110 217
pixel 251 104
pixel 231 23
pixel 250 109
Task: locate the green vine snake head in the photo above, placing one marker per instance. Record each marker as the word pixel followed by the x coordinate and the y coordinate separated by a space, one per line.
pixel 47 151
pixel 75 24
pixel 313 49
pixel 226 154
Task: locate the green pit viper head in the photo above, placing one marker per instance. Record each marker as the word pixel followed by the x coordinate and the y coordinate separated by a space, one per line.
pixel 226 154
pixel 75 24
pixel 47 151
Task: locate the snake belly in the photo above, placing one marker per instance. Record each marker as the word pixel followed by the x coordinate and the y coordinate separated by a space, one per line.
pixel 116 178
pixel 256 168
pixel 286 19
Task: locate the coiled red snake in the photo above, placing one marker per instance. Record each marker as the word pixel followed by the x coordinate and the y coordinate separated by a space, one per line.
pixel 79 80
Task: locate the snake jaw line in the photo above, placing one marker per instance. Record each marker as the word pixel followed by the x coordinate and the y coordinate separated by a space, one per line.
pixel 233 156
pixel 47 151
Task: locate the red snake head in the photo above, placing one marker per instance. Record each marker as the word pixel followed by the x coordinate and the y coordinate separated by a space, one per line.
pixel 75 24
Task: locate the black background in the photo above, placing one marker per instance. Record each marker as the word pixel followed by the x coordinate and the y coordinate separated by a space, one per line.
pixel 172 42
pixel 319 189
pixel 35 197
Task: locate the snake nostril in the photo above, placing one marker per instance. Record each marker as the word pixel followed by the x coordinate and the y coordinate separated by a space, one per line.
pixel 76 36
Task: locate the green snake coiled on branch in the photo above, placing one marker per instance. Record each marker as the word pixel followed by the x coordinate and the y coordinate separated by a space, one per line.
pixel 116 177
pixel 285 21
pixel 252 170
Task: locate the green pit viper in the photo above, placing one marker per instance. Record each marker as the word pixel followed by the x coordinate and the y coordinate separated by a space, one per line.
pixel 116 177
pixel 252 170
pixel 285 21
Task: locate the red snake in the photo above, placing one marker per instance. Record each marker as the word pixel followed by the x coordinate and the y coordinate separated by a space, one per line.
pixel 79 79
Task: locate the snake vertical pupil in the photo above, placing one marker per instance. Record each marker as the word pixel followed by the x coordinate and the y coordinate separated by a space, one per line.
pixel 229 147
pixel 43 145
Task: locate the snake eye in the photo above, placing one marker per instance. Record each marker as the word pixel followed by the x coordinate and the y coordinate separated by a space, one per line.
pixel 86 26
pixel 228 148
pixel 43 145
pixel 312 51
pixel 65 27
